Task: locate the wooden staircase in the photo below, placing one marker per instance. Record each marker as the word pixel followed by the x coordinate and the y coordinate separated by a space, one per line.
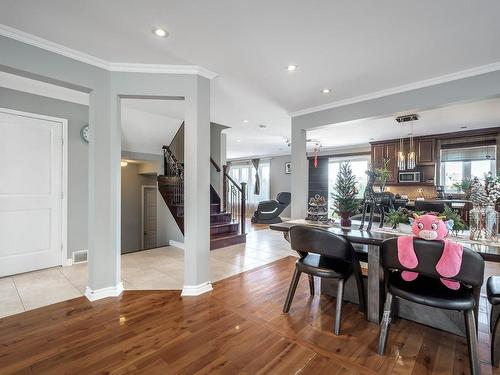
pixel 227 224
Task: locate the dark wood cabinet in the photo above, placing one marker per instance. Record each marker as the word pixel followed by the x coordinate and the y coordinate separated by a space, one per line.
pixel 382 152
pixel 377 156
pixel 390 155
pixel 425 151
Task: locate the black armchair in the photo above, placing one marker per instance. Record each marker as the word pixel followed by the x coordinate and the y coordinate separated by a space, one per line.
pixel 268 211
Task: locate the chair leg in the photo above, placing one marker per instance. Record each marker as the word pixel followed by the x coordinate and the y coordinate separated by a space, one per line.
pixel 361 293
pixel 338 308
pixel 311 284
pixel 495 344
pixel 385 324
pixel 291 291
pixel 470 327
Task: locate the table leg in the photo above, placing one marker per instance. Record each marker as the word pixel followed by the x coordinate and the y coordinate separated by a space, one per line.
pixel 375 286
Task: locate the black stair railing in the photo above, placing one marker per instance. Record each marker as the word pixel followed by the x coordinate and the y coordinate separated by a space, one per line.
pixel 173 170
pixel 233 197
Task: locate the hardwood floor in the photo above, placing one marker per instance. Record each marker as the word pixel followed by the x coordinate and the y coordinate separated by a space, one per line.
pixel 238 328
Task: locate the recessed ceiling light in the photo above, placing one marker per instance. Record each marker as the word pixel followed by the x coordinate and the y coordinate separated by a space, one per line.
pixel 291 68
pixel 238 140
pixel 160 32
pixel 326 91
pixel 245 121
pixel 124 163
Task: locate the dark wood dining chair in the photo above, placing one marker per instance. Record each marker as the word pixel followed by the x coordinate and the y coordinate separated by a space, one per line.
pixel 326 255
pixel 428 289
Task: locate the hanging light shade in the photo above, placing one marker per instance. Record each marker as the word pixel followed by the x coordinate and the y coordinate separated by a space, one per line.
pixel 412 162
pixel 401 156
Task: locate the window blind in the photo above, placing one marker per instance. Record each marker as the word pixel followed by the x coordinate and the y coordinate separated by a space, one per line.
pixel 469 153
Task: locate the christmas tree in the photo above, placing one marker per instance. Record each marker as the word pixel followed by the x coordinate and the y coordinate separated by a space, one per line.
pixel 345 192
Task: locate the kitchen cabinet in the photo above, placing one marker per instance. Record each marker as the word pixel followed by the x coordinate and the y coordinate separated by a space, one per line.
pixel 425 151
pixel 390 155
pixel 386 152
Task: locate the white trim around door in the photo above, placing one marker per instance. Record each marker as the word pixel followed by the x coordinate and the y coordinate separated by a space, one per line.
pixel 64 172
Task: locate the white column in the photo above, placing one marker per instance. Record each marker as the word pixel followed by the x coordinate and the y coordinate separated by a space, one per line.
pixel 197 189
pixel 299 173
pixel 104 196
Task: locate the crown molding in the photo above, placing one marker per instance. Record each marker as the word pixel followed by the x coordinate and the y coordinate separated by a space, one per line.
pixel 47 45
pixel 404 88
pixel 162 68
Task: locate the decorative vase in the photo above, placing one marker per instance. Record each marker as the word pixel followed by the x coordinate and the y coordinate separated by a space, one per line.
pixel 404 228
pixel 477 224
pixel 491 223
pixel 345 221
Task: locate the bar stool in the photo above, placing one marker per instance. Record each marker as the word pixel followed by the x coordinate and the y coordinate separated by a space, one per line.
pixel 493 292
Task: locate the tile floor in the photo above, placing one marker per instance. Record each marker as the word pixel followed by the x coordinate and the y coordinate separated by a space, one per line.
pixel 160 268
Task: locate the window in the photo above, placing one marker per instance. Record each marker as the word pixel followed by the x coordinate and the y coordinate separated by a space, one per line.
pixel 244 171
pixel 359 165
pixel 466 163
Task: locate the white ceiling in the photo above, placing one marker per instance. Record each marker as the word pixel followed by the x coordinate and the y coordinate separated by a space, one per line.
pixel 148 124
pixel 477 115
pixel 353 47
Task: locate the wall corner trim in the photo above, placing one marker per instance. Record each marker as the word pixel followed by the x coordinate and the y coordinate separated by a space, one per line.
pixel 47 45
pixel 196 290
pixel 112 291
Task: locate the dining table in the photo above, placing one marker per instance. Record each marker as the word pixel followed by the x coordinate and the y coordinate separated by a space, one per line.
pixel 368 242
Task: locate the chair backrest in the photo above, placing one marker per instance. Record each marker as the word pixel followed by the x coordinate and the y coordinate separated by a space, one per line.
pixel 428 254
pixel 429 206
pixel 308 239
pixel 284 197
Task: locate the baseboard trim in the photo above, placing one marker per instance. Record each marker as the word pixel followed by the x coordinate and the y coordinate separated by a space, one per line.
pixel 112 291
pixel 178 244
pixel 67 262
pixel 196 290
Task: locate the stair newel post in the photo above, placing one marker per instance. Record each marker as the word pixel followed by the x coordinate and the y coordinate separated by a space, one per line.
pixel 243 206
pixel 224 188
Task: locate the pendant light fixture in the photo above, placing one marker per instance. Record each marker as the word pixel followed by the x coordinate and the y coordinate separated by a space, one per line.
pixel 401 155
pixel 407 161
pixel 412 162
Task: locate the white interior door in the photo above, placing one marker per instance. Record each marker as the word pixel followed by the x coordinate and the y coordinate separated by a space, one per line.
pixel 149 217
pixel 30 193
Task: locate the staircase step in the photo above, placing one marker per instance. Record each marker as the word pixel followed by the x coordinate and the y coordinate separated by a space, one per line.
pixel 214 208
pixel 223 240
pixel 220 217
pixel 224 228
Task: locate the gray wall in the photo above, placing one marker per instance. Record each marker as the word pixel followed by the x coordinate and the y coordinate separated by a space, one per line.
pixel 77 116
pixel 131 206
pixel 280 181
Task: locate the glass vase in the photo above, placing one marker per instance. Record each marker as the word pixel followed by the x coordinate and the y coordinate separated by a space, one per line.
pixel 491 223
pixel 477 223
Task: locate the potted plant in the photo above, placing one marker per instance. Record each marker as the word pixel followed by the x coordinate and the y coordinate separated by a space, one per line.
pixel 450 214
pixel 344 195
pixel 400 218
pixel 383 174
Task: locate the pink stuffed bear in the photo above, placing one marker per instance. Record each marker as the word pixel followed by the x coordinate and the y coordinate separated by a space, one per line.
pixel 430 227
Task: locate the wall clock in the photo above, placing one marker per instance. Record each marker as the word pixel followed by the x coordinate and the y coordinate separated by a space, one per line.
pixel 84 133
